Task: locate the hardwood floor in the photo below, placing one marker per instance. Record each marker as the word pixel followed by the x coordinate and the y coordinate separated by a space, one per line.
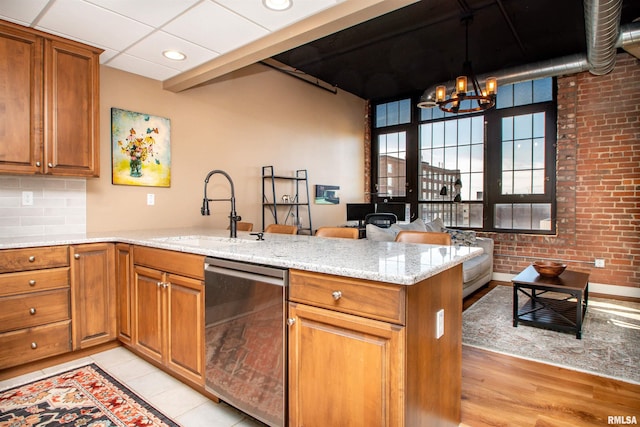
pixel 499 390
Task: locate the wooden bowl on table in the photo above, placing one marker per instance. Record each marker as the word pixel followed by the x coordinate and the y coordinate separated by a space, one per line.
pixel 549 268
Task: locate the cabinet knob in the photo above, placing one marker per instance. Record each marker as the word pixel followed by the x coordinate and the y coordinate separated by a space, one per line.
pixel 32 282
pixel 38 164
pixel 291 321
pixel 34 345
pixel 166 284
pixel 77 256
pixel 336 295
pixel 32 258
pixel 50 165
pixel 159 284
pixel 32 311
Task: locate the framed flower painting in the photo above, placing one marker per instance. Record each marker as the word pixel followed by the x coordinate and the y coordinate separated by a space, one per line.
pixel 140 149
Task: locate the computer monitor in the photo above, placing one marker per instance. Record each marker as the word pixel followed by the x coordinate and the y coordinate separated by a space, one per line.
pixel 359 211
pixel 395 208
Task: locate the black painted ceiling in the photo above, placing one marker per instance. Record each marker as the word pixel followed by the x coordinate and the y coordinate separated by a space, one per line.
pixel 406 51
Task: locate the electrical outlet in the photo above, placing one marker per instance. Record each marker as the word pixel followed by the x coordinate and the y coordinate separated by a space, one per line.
pixel 440 323
pixel 27 198
pixel 151 199
pixel 599 263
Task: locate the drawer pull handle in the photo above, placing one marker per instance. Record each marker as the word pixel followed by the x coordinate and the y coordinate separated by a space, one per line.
pixel 32 282
pixel 32 311
pixel 159 284
pixel 291 321
pixel 32 258
pixel 38 164
pixel 336 295
pixel 77 256
pixel 34 345
pixel 50 165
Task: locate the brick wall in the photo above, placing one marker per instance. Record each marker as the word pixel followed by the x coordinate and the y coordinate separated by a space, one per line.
pixel 598 180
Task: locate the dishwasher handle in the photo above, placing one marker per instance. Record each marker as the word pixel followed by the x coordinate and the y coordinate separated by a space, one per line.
pixel 245 275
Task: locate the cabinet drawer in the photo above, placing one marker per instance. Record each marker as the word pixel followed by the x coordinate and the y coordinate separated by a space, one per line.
pixel 33 258
pixel 26 345
pixel 26 310
pixel 33 281
pixel 170 261
pixel 353 296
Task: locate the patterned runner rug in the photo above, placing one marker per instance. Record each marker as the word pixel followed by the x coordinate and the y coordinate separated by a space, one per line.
pixel 610 344
pixel 85 396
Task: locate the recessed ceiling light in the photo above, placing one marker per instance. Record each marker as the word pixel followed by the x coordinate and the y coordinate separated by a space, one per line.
pixel 278 4
pixel 174 55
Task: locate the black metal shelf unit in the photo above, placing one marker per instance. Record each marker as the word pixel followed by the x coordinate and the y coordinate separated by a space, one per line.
pixel 286 208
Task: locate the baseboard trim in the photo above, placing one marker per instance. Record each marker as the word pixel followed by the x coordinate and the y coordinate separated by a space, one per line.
pixel 596 288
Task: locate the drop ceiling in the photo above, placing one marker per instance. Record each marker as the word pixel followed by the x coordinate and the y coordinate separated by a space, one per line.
pixel 371 48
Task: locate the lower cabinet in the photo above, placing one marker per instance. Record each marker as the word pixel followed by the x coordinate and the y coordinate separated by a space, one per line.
pixel 344 369
pixel 93 294
pixel 168 311
pixel 364 353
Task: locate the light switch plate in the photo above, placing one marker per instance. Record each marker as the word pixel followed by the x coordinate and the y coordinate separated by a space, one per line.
pixel 440 323
pixel 27 198
pixel 151 199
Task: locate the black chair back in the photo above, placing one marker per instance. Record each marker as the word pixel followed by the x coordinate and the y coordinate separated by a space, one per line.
pixel 382 220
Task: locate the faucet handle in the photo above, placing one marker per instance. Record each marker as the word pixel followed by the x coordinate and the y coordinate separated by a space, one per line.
pixel 259 235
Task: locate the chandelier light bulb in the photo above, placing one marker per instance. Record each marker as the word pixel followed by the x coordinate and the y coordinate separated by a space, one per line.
pixel 461 84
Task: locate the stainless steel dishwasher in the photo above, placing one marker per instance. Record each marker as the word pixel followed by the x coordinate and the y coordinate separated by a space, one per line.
pixel 245 337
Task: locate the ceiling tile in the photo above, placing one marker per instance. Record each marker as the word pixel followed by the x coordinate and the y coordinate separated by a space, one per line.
pixel 21 11
pixel 142 67
pixel 91 24
pixel 274 20
pixel 150 12
pixel 214 27
pixel 150 48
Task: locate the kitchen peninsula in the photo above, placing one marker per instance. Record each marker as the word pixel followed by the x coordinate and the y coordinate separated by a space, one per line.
pixel 382 361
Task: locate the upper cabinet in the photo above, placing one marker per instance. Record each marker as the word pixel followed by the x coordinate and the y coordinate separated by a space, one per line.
pixel 49 104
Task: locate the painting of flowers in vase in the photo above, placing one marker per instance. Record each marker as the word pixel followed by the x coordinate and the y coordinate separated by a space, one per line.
pixel 140 149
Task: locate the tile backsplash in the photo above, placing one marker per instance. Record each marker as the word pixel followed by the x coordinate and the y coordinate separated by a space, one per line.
pixel 59 206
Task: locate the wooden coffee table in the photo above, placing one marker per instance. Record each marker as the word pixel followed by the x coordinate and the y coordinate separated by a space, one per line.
pixel 557 303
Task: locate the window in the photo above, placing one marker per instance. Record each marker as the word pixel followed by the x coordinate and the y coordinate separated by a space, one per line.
pixel 492 170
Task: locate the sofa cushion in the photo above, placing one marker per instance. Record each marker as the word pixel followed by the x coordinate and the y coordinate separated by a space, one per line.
pixel 435 225
pixel 476 267
pixel 462 237
pixel 416 225
pixel 379 234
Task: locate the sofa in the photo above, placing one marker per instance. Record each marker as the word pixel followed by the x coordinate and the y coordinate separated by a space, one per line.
pixel 476 272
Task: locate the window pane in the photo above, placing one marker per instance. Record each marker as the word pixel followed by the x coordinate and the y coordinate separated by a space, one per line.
pixel 538 153
pixel 522 126
pixel 507 156
pixel 475 215
pixel 522 182
pixel 438 157
pixel 522 93
pixel 538 125
pixel 477 158
pixel 505 96
pixel 464 131
pixel 451 133
pixel 522 154
pixel 541 216
pixel 507 128
pixel 543 90
pixel 450 160
pixel 476 186
pixel 464 158
pixel 538 181
pixel 438 134
pixel 507 182
pixel 522 216
pixel 393 113
pixel 405 111
pixel 381 115
pixel 425 113
pixel 503 217
pixel 477 130
pixel 425 135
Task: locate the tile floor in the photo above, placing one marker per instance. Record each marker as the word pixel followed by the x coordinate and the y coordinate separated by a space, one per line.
pixel 179 402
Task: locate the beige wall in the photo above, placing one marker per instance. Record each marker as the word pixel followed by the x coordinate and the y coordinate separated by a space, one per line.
pixel 252 118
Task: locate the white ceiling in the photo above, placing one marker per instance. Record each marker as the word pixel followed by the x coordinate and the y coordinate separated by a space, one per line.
pixel 134 33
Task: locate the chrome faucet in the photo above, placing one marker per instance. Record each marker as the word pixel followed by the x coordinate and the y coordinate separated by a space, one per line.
pixel 233 217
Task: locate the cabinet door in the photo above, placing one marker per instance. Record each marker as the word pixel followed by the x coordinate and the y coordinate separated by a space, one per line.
pixel 20 101
pixel 123 265
pixel 72 109
pixel 93 294
pixel 148 308
pixel 185 334
pixel 355 363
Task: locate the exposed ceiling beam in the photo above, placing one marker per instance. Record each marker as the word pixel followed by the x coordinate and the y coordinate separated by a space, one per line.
pixel 337 18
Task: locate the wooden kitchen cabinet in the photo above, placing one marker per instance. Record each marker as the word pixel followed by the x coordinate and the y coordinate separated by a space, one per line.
pixel 168 310
pixel 35 314
pixel 93 294
pixel 371 348
pixel 50 104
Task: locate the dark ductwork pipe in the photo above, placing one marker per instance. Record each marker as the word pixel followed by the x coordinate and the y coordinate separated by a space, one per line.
pixel 602 24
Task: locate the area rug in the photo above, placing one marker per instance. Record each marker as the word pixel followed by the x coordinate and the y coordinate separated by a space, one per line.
pixel 85 396
pixel 610 344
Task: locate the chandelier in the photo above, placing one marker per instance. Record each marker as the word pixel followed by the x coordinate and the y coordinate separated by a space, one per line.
pixel 466 88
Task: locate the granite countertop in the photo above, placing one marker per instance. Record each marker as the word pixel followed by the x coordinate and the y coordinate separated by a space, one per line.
pixel 390 262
